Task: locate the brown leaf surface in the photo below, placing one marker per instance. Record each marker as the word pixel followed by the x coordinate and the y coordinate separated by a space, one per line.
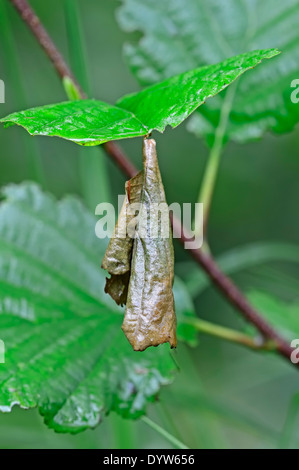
pixel 150 318
pixel 117 259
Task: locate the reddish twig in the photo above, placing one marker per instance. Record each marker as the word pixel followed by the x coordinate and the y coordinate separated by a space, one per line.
pixel 36 27
pixel 232 293
pixel 117 155
pixel 219 279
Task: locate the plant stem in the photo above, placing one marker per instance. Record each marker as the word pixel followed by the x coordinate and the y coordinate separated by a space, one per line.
pixel 92 165
pixel 173 440
pixel 123 432
pixel 231 335
pixel 13 67
pixel 168 419
pixel 212 167
pixel 38 30
pixel 230 291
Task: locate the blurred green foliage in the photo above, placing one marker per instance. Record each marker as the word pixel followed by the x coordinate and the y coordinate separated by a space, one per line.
pixel 224 396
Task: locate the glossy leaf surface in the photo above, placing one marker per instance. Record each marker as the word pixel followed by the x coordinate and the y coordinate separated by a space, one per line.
pixel 92 122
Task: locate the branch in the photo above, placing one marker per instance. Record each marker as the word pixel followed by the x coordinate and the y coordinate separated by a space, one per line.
pixel 173 440
pixel 219 279
pixel 36 27
pixel 232 293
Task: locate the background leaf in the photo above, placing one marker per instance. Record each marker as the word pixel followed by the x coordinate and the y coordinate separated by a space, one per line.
pixel 65 351
pixel 236 260
pixel 281 315
pixel 181 34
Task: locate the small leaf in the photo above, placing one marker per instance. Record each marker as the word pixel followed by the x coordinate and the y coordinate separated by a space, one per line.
pixel 70 88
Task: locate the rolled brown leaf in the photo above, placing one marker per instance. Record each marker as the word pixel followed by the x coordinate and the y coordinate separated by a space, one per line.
pixel 150 317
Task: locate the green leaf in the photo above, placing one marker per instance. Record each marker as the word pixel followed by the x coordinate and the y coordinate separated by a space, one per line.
pixel 91 122
pixel 86 122
pixel 170 102
pixel 65 351
pixel 281 315
pixel 180 35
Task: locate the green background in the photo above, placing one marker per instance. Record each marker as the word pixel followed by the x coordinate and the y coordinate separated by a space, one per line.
pixel 224 395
